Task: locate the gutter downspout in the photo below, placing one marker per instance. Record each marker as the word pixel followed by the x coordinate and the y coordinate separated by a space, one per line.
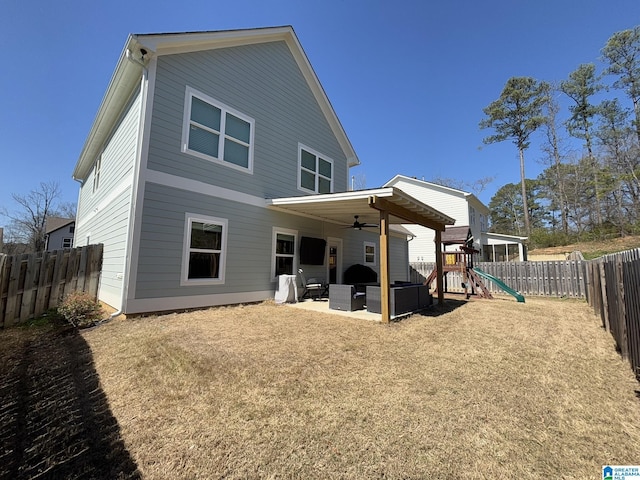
pixel 125 279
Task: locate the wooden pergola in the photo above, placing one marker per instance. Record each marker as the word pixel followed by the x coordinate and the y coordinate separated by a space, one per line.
pixel 386 206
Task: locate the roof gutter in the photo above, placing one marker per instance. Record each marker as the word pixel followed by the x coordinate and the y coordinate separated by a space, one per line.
pixel 125 78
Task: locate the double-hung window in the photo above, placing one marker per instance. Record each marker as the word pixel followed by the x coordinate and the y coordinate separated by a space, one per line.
pixel 214 131
pixel 205 243
pixel 369 253
pixel 283 252
pixel 315 171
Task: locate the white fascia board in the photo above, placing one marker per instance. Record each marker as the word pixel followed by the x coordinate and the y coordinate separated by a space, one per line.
pixel 321 96
pixel 477 204
pixel 173 43
pixel 331 197
pixel 125 78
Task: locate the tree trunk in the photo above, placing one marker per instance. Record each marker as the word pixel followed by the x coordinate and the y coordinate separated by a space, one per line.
pixel 525 204
pixel 593 163
pixel 636 109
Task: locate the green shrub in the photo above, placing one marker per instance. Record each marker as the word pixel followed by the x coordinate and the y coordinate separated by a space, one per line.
pixel 80 309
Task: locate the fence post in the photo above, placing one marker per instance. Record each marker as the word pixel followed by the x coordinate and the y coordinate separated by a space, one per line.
pixel 4 279
pixel 28 290
pixel 603 294
pixel 43 282
pixel 622 313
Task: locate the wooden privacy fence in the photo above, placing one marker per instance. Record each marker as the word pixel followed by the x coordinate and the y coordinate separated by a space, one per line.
pixel 613 294
pixel 548 278
pixel 30 284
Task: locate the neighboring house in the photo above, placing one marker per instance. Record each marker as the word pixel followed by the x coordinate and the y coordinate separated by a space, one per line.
pixel 215 164
pixel 467 210
pixel 59 233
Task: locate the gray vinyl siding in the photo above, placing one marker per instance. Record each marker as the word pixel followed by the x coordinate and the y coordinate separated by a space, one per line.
pixel 354 252
pixel 398 259
pixel 249 241
pixel 263 82
pixel 55 239
pixel 104 215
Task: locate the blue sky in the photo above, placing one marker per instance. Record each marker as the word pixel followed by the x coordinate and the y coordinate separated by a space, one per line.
pixel 408 79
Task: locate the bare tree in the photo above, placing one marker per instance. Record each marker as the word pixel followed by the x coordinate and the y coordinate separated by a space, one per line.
pixel 28 222
pixel 477 187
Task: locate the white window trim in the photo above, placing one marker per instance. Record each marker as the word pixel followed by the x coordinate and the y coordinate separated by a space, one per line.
pixel 285 231
pixel 186 120
pixel 375 253
pixel 189 218
pixel 97 167
pixel 317 173
pixel 67 240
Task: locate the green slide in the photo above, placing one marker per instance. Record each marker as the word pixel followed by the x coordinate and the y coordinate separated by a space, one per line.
pixel 500 284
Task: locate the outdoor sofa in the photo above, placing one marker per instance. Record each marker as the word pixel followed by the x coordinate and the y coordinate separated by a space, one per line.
pixel 404 298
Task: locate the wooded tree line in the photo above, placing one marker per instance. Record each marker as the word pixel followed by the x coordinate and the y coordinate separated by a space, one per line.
pixel 593 193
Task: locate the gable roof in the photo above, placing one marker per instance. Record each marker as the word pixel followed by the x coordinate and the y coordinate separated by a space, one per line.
pixel 470 197
pixel 140 48
pixel 56 223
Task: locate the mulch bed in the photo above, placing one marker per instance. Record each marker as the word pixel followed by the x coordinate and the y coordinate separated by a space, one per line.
pixel 55 421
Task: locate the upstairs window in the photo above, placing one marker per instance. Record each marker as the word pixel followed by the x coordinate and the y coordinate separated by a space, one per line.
pixel 315 171
pixel 96 174
pixel 204 250
pixel 214 131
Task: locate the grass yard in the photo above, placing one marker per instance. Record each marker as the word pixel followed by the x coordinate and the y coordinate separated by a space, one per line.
pixel 490 389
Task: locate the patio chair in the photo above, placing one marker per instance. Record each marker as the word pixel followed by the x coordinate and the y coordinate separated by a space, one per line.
pixel 313 288
pixel 346 298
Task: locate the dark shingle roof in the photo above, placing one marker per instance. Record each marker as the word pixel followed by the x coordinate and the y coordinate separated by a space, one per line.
pixel 56 223
pixel 456 235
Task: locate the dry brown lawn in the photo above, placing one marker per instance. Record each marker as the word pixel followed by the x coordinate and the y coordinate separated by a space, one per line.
pixel 593 249
pixel 491 389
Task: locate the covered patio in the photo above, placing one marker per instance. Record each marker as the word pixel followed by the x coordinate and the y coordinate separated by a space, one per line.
pixel 383 206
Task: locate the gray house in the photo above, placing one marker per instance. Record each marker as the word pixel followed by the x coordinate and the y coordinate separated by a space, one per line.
pixel 59 233
pixel 215 164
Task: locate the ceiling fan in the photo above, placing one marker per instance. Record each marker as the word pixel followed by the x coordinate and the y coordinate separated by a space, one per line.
pixel 359 226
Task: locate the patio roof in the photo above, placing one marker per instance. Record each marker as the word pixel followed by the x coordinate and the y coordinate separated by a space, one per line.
pixel 383 206
pixel 340 208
